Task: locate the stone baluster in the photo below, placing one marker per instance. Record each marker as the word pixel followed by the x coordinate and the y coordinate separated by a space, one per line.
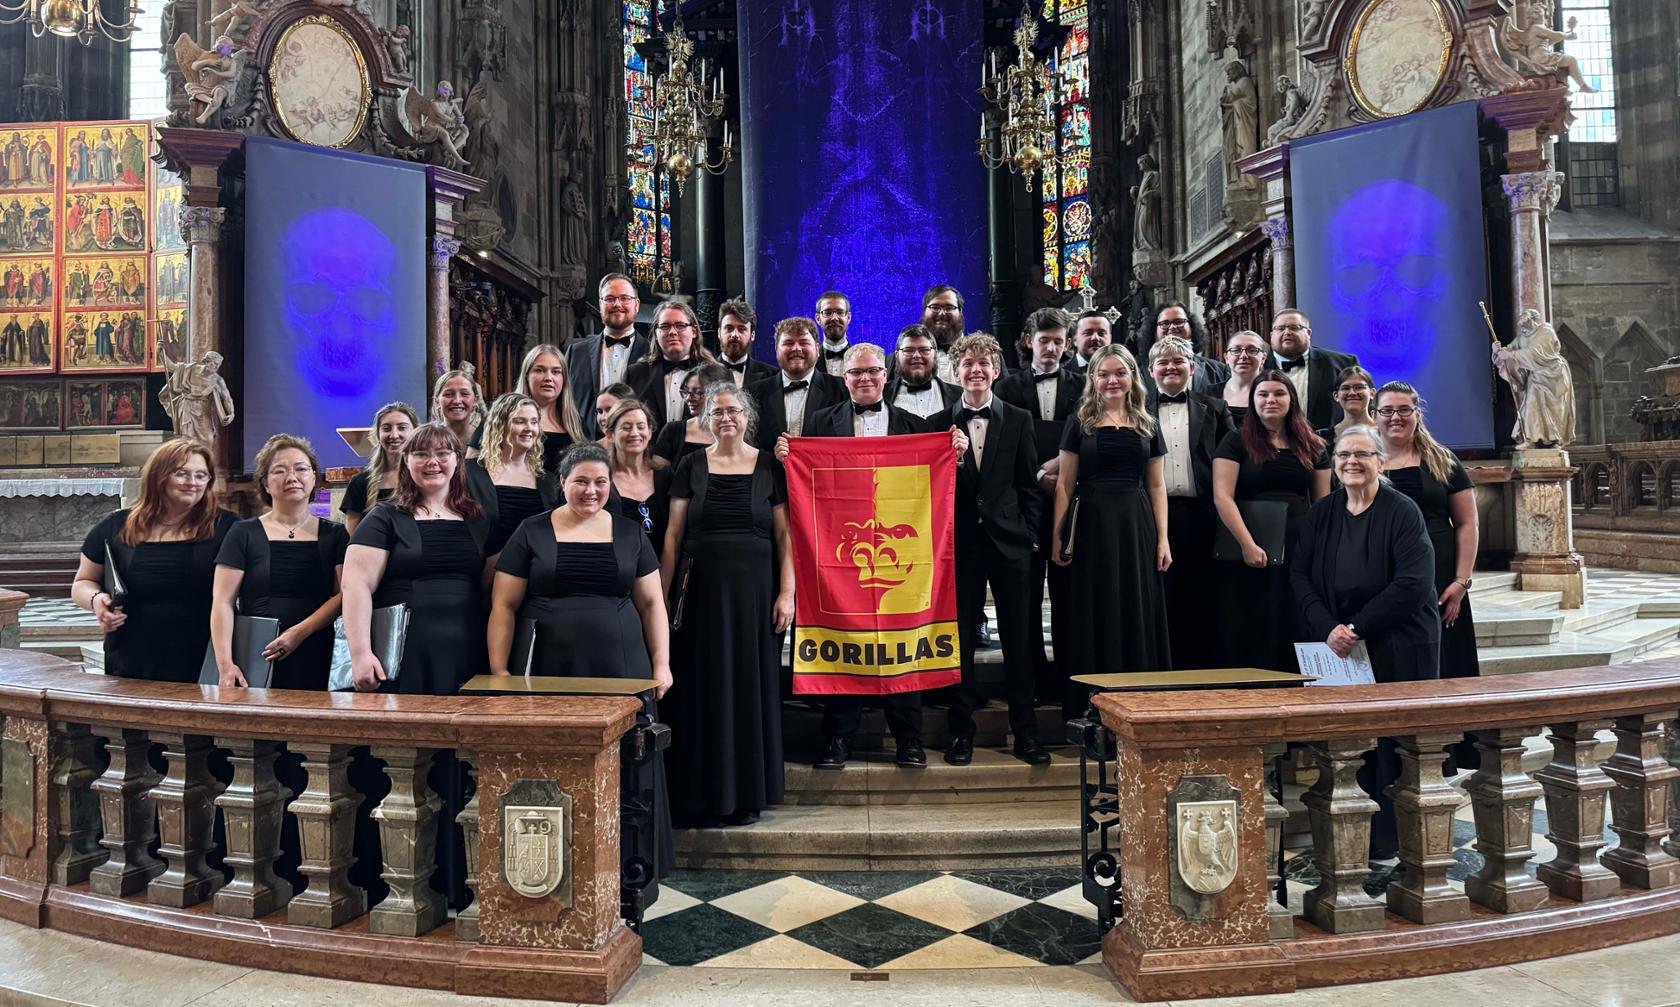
pixel 1502 797
pixel 74 849
pixel 408 824
pixel 326 821
pixel 1280 921
pixel 1575 814
pixel 1423 812
pixel 1639 804
pixel 466 921
pixel 1341 827
pixel 1672 843
pixel 186 817
pixel 252 807
pixel 128 816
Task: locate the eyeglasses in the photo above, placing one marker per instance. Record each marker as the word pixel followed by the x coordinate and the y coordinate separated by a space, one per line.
pixel 1290 328
pixel 1361 387
pixel 694 393
pixel 673 327
pixel 1364 456
pixel 943 309
pixel 190 476
pixel 1172 323
pixel 647 519
pixel 1401 411
pixel 619 299
pixel 865 372
pixel 295 470
pixel 728 414
pixel 432 456
pixel 1244 351
pixel 916 351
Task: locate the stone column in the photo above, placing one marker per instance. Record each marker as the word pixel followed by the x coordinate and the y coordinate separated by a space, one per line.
pixel 201 226
pixel 1276 230
pixel 326 821
pixel 1639 804
pixel 1575 814
pixel 437 303
pixel 1546 559
pixel 1279 920
pixel 129 817
pixel 1423 808
pixel 252 807
pixel 466 921
pixel 1503 798
pixel 1271 168
pixel 1532 195
pixel 74 849
pixel 1672 843
pixel 408 823
pixel 1341 828
pixel 185 818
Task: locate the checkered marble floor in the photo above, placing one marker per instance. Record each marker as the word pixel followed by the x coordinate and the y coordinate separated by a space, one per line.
pixel 54 612
pixel 873 920
pixel 1632 585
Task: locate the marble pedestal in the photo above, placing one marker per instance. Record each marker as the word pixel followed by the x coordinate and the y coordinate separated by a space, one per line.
pixel 1546 559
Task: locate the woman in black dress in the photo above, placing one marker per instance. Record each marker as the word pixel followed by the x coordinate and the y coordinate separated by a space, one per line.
pixel 1273 455
pixel 1246 354
pixel 727 539
pixel 1355 391
pixel 682 437
pixel 510 477
pixel 642 482
pixel 164 550
pixel 542 376
pixel 284 564
pixel 1111 466
pixel 391 426
pixel 589 580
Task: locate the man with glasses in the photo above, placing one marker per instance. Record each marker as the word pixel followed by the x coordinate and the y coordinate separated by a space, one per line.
pixel 787 400
pixel 737 328
pixel 1312 371
pixel 594 362
pixel 834 314
pixel 658 376
pixel 1173 319
pixel 942 314
pixel 1092 330
pixel 915 388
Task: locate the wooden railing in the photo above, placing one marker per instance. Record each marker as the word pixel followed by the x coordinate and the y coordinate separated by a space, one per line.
pixel 81 805
pixel 1175 940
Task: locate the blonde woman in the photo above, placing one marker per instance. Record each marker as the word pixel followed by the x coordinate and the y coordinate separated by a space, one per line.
pixel 1111 465
pixel 458 401
pixel 509 478
pixel 378 481
pixel 542 376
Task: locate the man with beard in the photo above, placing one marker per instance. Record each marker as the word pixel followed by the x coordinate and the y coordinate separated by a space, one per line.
pixel 1091 332
pixel 942 314
pixel 914 388
pixel 40 343
pixel 1313 372
pixel 834 314
pixel 737 328
pixel 1173 319
pixel 658 376
pixel 789 398
pixel 594 362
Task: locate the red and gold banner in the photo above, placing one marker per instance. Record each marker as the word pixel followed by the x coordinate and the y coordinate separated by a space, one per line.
pixel 872 550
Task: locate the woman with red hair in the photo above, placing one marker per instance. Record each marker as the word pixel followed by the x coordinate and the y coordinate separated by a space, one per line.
pixel 164 550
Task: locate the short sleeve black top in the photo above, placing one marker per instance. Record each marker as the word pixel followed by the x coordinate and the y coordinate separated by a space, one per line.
pixel 1111 458
pixel 580 568
pixel 447 551
pixel 1281 477
pixel 743 509
pixel 356 495
pixel 277 568
pixel 1432 495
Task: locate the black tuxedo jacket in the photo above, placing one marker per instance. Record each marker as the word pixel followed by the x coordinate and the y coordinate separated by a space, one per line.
pixel 1020 390
pixel 1000 497
pixel 756 370
pixel 947 391
pixel 647 377
pixel 583 374
pixel 1210 421
pixel 836 420
pixel 826 390
pixel 1322 368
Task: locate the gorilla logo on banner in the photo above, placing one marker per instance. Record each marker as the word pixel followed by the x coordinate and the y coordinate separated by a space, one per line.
pixel 338 299
pixel 1388 275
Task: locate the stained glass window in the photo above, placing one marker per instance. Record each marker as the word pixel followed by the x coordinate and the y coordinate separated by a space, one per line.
pixel 648 239
pixel 1067 234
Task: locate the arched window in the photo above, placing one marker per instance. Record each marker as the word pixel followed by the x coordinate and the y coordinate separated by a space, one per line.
pixel 1066 193
pixel 648 241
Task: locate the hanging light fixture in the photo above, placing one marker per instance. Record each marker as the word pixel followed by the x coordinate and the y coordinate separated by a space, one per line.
pixel 1024 93
pixel 683 109
pixel 79 19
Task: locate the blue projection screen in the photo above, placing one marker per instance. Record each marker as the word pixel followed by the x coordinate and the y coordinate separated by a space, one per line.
pixel 1390 258
pixel 859 125
pixel 335 292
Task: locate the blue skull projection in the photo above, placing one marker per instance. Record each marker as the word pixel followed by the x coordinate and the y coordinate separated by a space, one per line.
pixel 1388 272
pixel 339 299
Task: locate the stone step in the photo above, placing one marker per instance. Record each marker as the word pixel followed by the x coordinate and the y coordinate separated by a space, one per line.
pixel 1488 581
pixel 803 738
pixel 1572 650
pixel 995 777
pixel 69 650
pixel 61 633
pixel 1498 626
pixel 1531 600
pixel 1598 615
pixel 1643 635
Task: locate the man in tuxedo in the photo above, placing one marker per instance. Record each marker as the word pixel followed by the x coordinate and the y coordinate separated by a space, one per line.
pixel 594 362
pixel 1091 332
pixel 834 314
pixel 915 388
pixel 787 400
pixel 866 413
pixel 1173 319
pixel 737 328
pixel 942 314
pixel 658 376
pixel 1049 391
pixel 1313 371
pixel 1192 425
pixel 997 509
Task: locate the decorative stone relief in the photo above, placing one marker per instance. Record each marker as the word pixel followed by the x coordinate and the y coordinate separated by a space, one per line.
pixel 1204 826
pixel 536 837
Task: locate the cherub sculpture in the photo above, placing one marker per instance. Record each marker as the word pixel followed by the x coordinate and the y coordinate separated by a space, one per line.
pixel 236 14
pixel 396 47
pixel 197 399
pixel 441 120
pixel 207 72
pixel 1535 47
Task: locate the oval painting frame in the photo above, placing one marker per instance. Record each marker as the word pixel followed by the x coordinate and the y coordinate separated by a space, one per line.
pixel 318 82
pixel 1397 55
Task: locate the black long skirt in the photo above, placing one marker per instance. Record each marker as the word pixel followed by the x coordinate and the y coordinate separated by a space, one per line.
pixel 1119 613
pixel 725 707
pixel 1458 641
pixel 308 665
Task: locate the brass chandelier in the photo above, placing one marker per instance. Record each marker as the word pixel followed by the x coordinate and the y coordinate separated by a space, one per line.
pixel 683 109
pixel 80 19
pixel 1024 94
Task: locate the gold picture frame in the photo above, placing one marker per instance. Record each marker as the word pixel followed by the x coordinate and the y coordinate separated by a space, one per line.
pixel 300 46
pixel 1361 89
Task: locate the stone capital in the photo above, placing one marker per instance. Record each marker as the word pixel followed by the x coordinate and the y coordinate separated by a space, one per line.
pixel 202 224
pixel 1533 190
pixel 1276 230
pixel 444 249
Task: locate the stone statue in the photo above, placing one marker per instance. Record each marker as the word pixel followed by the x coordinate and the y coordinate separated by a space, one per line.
pixel 236 14
pixel 1535 47
pixel 196 398
pixel 574 218
pixel 1312 17
pixel 1539 377
pixel 441 120
pixel 1294 107
pixel 1239 120
pixel 396 47
pixel 206 72
pixel 1146 197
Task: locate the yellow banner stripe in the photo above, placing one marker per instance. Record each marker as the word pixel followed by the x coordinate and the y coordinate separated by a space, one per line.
pixel 882 653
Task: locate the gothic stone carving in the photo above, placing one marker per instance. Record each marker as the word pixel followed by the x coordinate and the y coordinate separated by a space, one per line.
pixel 537 840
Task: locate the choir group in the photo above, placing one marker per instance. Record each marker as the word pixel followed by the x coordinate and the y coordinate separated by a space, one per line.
pixel 623 514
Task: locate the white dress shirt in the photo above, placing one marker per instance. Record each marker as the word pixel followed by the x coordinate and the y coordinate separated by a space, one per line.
pixel 614 361
pixel 1175 430
pixel 673 394
pixel 837 365
pixel 872 424
pixel 1046 392
pixel 1298 376
pixel 977 431
pixel 944 368
pixel 923 403
pixel 793 403
pixel 740 376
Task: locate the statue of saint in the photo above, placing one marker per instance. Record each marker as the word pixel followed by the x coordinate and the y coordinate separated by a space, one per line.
pixel 1146 197
pixel 1539 377
pixel 197 399
pixel 1239 120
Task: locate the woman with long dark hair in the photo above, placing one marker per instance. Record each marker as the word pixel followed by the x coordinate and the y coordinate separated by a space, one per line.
pixel 164 550
pixel 542 376
pixel 1273 455
pixel 378 480
pixel 509 478
pixel 642 480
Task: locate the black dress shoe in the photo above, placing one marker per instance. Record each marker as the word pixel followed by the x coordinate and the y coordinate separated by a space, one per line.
pixel 1032 753
pixel 911 756
pixel 839 749
pixel 960 752
pixel 747 817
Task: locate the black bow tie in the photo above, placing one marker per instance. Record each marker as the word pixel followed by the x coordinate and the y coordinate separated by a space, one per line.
pixel 859 410
pixel 667 366
pixel 839 354
pixel 1290 365
pixel 911 386
pixel 739 368
pixel 983 413
pixel 1182 398
pixel 795 386
pixel 618 340
pixel 1053 375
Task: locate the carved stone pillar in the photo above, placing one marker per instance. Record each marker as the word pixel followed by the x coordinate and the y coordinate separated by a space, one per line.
pixel 1532 195
pixel 128 816
pixel 1503 798
pixel 466 921
pixel 185 818
pixel 201 227
pixel 1341 827
pixel 1639 804
pixel 1276 230
pixel 1423 809
pixel 1546 559
pixel 437 300
pixel 1575 813
pixel 408 823
pixel 74 850
pixel 252 807
pixel 326 821
pixel 1280 921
